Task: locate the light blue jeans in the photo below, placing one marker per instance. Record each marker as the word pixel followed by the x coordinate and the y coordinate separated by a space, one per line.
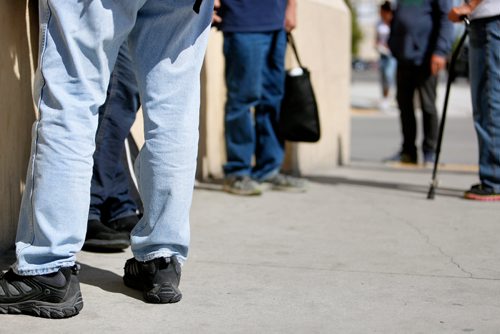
pixel 79 43
pixel 484 69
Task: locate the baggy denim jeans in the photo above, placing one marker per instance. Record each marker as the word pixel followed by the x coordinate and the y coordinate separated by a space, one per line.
pixel 484 69
pixel 79 43
pixel 255 74
pixel 110 198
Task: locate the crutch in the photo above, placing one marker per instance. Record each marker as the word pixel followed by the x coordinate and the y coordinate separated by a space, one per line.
pixel 451 77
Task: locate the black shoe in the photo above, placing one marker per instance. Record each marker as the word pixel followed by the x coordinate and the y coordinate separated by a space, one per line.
pixel 158 279
pixel 54 296
pixel 403 157
pixel 125 224
pixel 101 238
pixel 479 192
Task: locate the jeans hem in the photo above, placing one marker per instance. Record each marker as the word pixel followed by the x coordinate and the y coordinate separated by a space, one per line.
pixel 158 254
pixel 41 271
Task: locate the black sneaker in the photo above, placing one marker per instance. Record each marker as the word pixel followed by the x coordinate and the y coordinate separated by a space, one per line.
pixel 54 296
pixel 158 279
pixel 125 224
pixel 101 238
pixel 479 192
pixel 403 157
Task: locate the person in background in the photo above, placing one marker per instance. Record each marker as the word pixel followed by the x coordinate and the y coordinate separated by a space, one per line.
pixel 387 63
pixel 113 212
pixel 254 50
pixel 484 74
pixel 79 45
pixel 420 40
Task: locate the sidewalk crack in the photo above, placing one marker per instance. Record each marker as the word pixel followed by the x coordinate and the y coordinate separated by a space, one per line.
pixel 441 251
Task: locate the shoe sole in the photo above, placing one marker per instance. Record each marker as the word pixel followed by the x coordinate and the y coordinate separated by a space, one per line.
pixel 67 309
pixel 165 293
pixel 484 198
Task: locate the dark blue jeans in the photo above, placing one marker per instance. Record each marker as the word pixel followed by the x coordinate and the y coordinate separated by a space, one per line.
pixel 109 194
pixel 484 68
pixel 255 74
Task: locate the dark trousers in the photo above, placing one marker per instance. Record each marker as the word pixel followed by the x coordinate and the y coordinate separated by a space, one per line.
pixel 411 78
pixel 110 196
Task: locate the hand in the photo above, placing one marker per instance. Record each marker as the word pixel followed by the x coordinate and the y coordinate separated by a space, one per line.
pixel 437 64
pixel 291 15
pixel 456 13
pixel 216 19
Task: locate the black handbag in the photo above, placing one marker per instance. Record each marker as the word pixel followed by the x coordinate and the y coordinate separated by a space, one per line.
pixel 299 118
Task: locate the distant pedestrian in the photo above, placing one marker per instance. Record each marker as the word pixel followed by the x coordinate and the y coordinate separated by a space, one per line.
pixel 387 63
pixel 484 74
pixel 421 38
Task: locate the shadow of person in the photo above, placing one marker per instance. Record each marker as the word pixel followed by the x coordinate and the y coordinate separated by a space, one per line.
pixel 105 280
pixel 396 186
pixel 7 259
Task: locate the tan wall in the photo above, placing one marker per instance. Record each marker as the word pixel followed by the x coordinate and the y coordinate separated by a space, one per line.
pixel 16 111
pixel 323 41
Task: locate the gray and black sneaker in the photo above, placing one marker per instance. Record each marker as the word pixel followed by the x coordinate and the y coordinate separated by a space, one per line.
pixel 287 183
pixel 55 295
pixel 158 279
pixel 241 185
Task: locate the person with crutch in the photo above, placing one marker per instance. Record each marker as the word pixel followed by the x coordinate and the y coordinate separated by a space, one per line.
pixel 484 69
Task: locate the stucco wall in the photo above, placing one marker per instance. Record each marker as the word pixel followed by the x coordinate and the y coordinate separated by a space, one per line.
pixel 16 110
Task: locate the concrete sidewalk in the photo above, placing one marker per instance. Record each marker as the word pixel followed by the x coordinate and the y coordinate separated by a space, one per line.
pixel 363 251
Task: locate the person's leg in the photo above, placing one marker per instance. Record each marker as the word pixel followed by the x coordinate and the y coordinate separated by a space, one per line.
pixel 384 63
pixel 269 149
pixel 244 60
pixel 406 85
pixel 167 47
pixel 110 199
pixel 169 81
pixel 484 69
pixel 427 85
pixel 79 45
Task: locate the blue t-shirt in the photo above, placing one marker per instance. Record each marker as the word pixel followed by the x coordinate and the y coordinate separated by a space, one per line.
pixel 252 15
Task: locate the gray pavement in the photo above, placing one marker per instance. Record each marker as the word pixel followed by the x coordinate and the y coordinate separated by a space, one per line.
pixel 363 251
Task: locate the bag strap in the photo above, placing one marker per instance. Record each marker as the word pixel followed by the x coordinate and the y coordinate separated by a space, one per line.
pixel 291 41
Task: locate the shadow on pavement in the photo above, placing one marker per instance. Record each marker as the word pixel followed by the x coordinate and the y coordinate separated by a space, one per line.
pixel 7 259
pixel 105 280
pixel 386 185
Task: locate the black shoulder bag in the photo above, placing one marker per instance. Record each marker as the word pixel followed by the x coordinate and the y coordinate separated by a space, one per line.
pixel 299 118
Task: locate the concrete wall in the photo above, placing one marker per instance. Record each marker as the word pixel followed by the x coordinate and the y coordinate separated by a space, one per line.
pixel 16 109
pixel 323 41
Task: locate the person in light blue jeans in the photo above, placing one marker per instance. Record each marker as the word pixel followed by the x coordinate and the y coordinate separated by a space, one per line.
pixel 484 69
pixel 79 44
